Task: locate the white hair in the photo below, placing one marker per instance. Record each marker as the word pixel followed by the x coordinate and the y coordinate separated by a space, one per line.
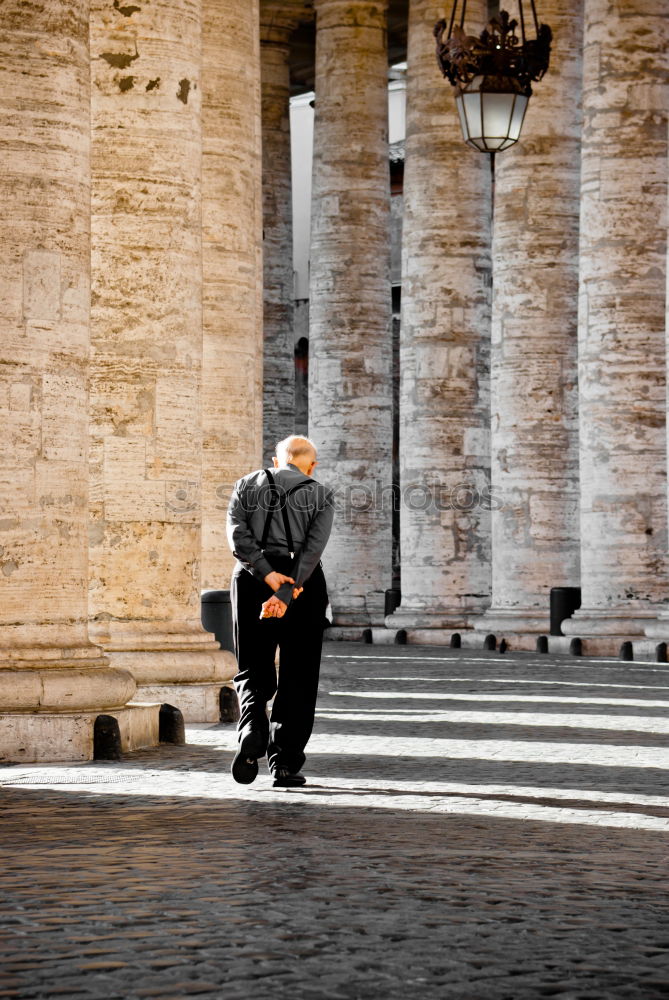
pixel 294 446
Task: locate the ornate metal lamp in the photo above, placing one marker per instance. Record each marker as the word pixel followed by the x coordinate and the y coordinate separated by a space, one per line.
pixel 492 74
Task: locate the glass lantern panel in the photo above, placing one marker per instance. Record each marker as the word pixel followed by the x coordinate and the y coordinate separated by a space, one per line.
pixel 463 120
pixel 472 105
pixel 497 112
pixel 518 116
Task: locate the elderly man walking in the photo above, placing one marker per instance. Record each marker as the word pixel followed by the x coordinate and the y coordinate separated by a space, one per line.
pixel 279 522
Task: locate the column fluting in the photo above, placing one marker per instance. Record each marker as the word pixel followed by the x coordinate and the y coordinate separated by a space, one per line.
pixel 350 391
pixel 444 351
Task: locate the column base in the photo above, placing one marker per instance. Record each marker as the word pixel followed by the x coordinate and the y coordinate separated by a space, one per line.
pixel 53 679
pixel 507 628
pixel 184 667
pixel 48 737
pixel 617 622
pixel 659 627
pixel 428 619
pixel 360 612
pixel 516 621
pixel 614 633
pixel 345 633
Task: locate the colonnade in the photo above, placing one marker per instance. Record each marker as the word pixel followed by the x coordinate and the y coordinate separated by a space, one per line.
pixel 131 392
pixel 147 278
pixel 577 375
pixel 545 402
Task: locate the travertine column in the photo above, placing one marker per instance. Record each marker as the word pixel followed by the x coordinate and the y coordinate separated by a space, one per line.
pixel 622 316
pixel 444 354
pixel 232 265
pixel 350 391
pixel 52 680
pixel 147 352
pixel 278 19
pixel 534 406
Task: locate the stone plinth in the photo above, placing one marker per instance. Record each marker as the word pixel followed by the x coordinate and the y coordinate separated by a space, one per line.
pixel 534 405
pixel 622 395
pixel 146 454
pixel 232 267
pixel 444 351
pixel 64 736
pixel 48 666
pixel 350 389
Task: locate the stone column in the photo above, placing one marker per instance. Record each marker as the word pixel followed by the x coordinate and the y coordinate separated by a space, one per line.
pixel 444 352
pixel 232 265
pixel 534 406
pixel 53 681
pixel 277 22
pixel 350 391
pixel 146 450
pixel 621 320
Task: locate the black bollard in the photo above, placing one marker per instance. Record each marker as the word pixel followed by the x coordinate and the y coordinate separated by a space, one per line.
pixel 542 644
pixel 216 617
pixel 106 738
pixel 563 602
pixel 229 705
pixel 393 599
pixel 171 726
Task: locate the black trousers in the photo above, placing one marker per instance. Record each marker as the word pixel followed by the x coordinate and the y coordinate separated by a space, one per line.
pixel 299 636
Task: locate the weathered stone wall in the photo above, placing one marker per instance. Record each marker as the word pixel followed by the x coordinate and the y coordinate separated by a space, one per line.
pixel 350 391
pixel 534 405
pixel 47 664
pixel 444 355
pixel 622 316
pixel 232 265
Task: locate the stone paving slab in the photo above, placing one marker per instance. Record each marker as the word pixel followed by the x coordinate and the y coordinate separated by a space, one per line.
pixel 475 826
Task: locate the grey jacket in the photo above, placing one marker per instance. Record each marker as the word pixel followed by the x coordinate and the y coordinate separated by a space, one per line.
pixel 309 507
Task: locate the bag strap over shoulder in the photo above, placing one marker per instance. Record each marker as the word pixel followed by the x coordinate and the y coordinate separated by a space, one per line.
pixel 274 503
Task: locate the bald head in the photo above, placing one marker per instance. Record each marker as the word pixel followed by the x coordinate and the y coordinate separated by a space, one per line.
pixel 298 451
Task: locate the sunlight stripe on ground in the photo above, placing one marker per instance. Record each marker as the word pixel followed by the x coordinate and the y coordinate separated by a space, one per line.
pixel 534 720
pixel 498 699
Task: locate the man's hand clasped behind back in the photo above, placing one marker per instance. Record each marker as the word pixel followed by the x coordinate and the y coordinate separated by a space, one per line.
pixel 274 607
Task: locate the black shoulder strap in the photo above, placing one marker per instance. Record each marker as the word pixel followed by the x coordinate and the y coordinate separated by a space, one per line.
pixel 274 496
pixel 276 501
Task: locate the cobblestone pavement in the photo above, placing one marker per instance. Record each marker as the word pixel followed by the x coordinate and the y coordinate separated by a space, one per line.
pixel 476 826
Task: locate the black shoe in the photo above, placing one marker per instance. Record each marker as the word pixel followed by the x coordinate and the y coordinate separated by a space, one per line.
pixel 283 778
pixel 245 764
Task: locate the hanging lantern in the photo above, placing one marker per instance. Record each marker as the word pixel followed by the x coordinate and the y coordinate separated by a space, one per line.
pixel 492 74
